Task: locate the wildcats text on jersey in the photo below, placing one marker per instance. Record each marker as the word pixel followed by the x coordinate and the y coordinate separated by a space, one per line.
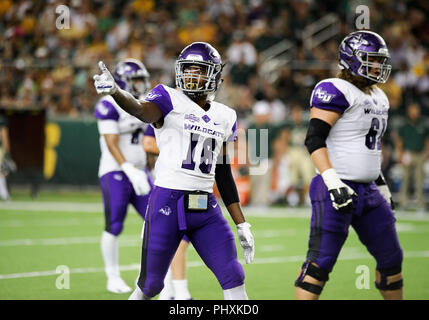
pixel 196 128
pixel 375 111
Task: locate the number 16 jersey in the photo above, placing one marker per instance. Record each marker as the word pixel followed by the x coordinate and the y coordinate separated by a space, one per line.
pixel 189 140
pixel 354 142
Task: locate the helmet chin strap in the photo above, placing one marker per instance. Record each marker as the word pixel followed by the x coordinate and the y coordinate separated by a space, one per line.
pixel 197 97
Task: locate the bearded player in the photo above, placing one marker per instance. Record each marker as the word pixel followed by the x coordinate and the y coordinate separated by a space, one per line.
pixel 347 121
pixel 191 133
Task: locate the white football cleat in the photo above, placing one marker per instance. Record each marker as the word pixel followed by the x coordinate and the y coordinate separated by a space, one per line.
pixel 166 295
pixel 138 295
pixel 117 285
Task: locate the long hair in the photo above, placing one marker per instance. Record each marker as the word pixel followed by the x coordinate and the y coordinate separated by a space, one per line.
pixel 362 83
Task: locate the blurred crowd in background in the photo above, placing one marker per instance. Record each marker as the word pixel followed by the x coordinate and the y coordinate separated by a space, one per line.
pixel 43 66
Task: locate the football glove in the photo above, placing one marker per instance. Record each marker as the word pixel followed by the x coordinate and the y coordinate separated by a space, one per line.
pixel 246 241
pixel 7 165
pixel 137 177
pixel 384 190
pixel 340 193
pixel 104 83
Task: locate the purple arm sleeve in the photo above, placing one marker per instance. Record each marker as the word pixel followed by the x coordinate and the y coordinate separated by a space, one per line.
pixel 149 131
pixel 327 96
pixel 104 110
pixel 161 98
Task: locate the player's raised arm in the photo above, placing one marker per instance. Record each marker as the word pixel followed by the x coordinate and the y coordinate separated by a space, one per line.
pixel 105 84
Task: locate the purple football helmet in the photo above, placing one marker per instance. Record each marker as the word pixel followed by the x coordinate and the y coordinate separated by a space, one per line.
pixel 203 55
pixel 127 72
pixel 362 50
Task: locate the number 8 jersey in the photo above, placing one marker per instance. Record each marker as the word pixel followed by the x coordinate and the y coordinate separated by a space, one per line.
pixel 354 142
pixel 189 140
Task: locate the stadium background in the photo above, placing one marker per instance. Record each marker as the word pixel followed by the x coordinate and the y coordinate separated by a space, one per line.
pixel 276 51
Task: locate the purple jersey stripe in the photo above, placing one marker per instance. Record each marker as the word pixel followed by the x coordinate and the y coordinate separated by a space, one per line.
pixel 161 97
pixel 327 96
pixel 149 131
pixel 233 136
pixel 104 110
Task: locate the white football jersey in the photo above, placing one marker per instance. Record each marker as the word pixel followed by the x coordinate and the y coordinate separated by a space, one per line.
pixel 354 142
pixel 189 140
pixel 113 120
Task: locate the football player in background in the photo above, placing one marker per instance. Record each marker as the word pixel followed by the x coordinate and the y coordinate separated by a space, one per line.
pixel 123 179
pixel 7 165
pixel 191 132
pixel 347 121
pixel 175 283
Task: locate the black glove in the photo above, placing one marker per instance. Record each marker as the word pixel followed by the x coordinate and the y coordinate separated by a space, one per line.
pixel 340 193
pixel 384 190
pixel 7 165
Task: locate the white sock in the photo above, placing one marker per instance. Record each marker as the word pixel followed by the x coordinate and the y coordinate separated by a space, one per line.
pixel 181 290
pixel 110 251
pixel 4 194
pixel 167 292
pixel 237 293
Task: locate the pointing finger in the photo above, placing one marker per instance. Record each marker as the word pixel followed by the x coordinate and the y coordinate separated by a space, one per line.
pixel 102 66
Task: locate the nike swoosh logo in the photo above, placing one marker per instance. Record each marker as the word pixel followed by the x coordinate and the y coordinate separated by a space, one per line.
pixel 216 123
pixel 214 206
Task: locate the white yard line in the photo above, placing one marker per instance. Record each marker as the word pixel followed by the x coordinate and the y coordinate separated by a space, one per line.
pixel 134 240
pixel 52 206
pixel 64 241
pixel 42 222
pixel 91 207
pixel 194 264
pixel 124 241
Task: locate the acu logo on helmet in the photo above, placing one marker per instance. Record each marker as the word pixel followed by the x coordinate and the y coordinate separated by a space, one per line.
pixel 122 68
pixel 196 57
pixel 355 42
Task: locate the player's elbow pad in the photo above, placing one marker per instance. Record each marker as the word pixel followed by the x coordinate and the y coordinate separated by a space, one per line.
pixel 225 183
pixel 317 133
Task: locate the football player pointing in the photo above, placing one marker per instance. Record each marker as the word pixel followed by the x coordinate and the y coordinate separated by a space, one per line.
pixel 121 179
pixel 348 119
pixel 191 131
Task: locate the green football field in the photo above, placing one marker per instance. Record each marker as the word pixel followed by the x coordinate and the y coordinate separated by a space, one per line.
pixel 64 229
